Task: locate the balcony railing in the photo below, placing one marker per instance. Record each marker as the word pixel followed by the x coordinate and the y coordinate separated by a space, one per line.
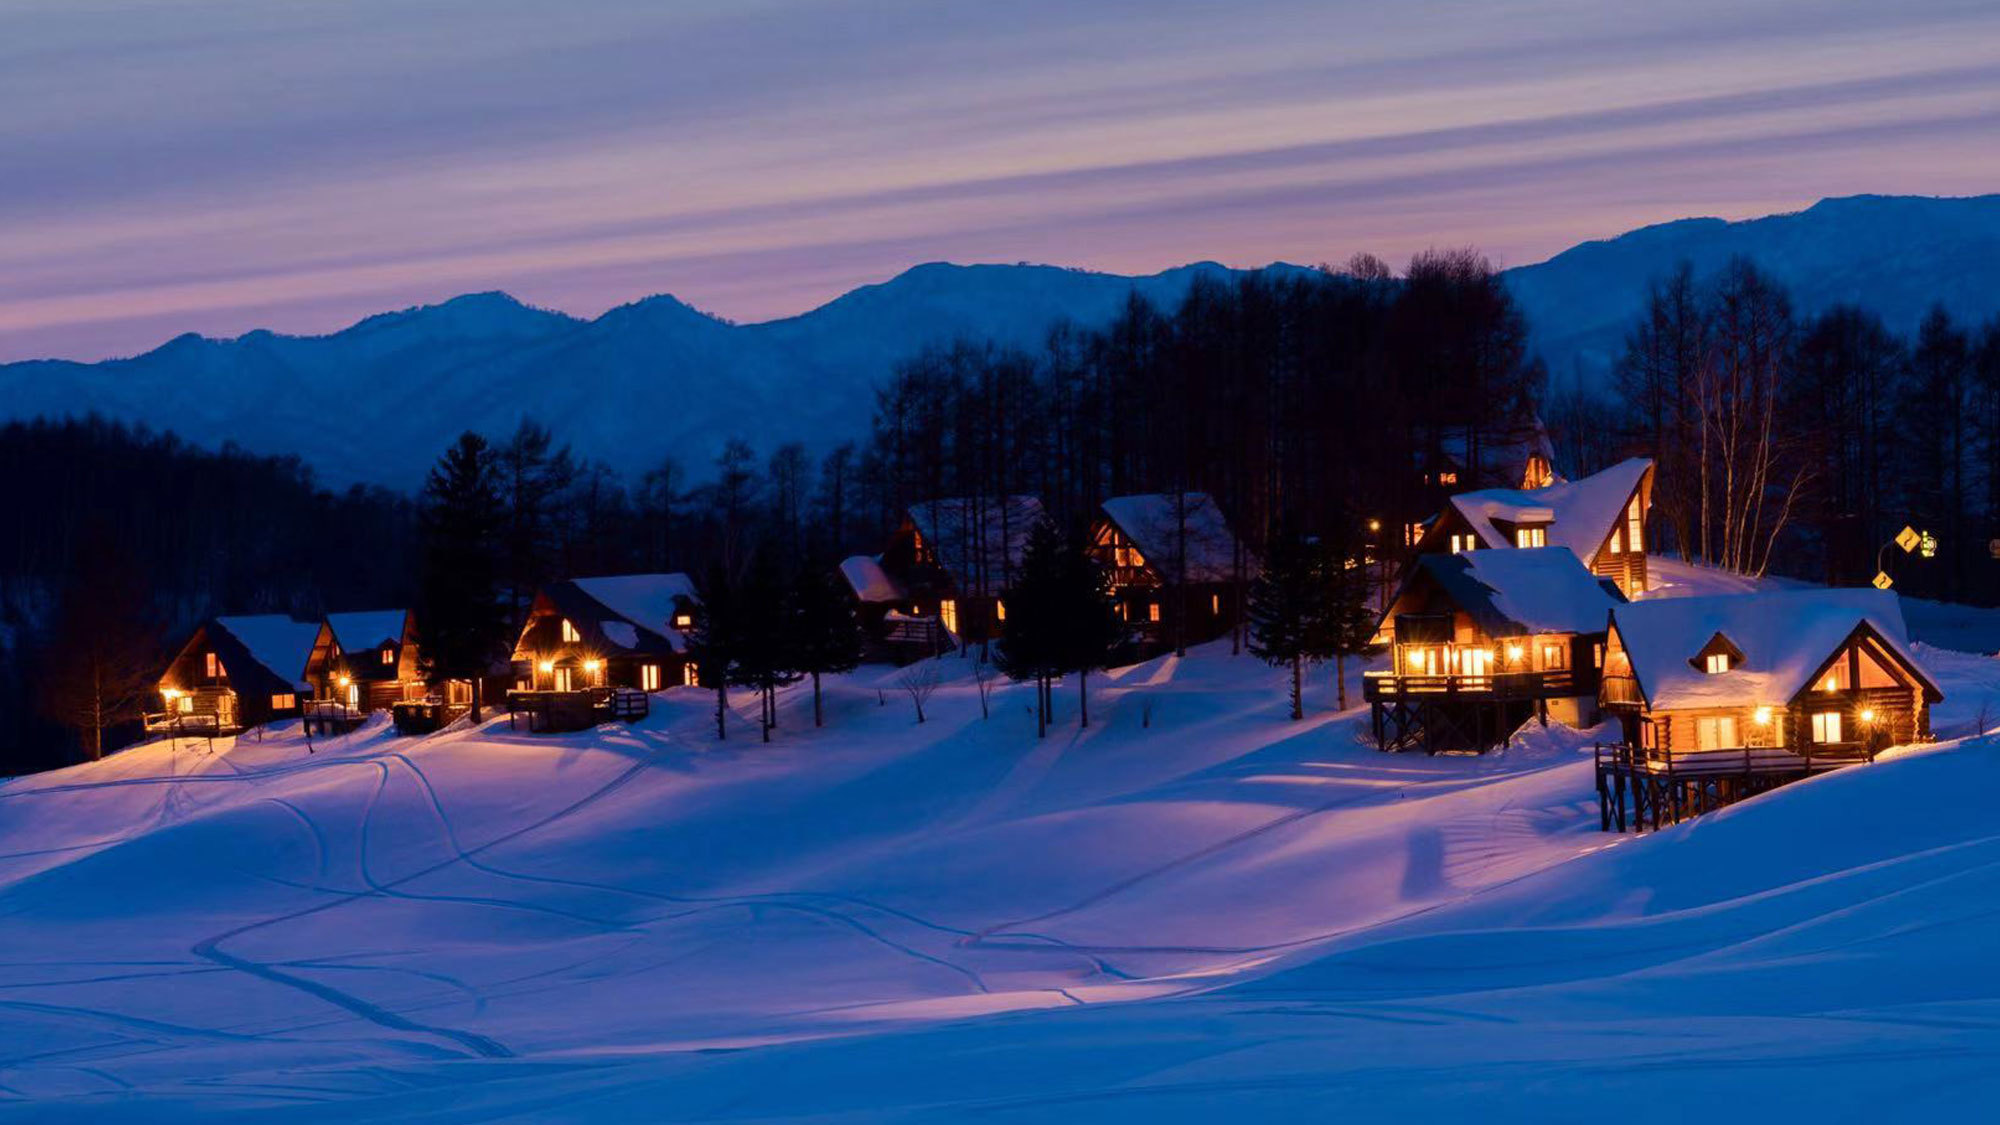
pixel 1492 685
pixel 1733 760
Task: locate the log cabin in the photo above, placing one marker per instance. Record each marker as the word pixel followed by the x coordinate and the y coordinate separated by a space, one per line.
pixel 1600 518
pixel 1718 698
pixel 1177 571
pixel 1484 641
pixel 897 630
pixel 621 631
pixel 238 672
pixel 374 660
pixel 956 558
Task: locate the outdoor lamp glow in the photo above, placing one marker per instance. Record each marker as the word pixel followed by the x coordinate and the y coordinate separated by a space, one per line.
pixel 1513 652
pixel 592 665
pixel 1763 716
pixel 1868 715
pixel 547 665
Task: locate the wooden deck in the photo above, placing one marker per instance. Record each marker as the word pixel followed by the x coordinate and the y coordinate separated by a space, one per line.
pixel 1376 686
pixel 1638 788
pixel 555 712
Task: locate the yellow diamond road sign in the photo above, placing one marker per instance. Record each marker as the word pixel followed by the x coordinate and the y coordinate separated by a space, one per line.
pixel 1907 539
pixel 1882 580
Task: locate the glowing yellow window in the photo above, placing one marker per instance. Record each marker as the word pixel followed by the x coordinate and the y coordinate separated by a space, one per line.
pixel 688 677
pixel 1153 612
pixel 1531 537
pixel 948 613
pixel 388 656
pixel 1000 610
pixel 284 701
pixel 569 634
pixel 649 677
pixel 1717 662
pixel 1215 604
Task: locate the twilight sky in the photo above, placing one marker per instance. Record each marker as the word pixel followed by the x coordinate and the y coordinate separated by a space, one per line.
pixel 220 165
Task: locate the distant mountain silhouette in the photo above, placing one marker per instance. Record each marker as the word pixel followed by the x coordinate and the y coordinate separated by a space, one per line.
pixel 379 400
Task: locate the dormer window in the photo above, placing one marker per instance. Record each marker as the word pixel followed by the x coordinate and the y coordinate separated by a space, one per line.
pixel 388 656
pixel 1719 655
pixel 1531 537
pixel 683 620
pixel 1716 663
pixel 569 634
pixel 1463 542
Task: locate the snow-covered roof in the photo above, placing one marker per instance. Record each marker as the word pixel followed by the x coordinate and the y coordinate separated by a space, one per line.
pixel 978 540
pixel 870 583
pixel 1784 637
pixel 283 646
pixel 1152 521
pixel 647 601
pixel 1580 513
pixel 1521 592
pixel 368 628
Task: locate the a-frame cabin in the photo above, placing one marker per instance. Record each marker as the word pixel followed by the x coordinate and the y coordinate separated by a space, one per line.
pixel 238 672
pixel 1176 569
pixel 1601 518
pixel 1721 697
pixel 620 631
pixel 955 559
pixel 373 663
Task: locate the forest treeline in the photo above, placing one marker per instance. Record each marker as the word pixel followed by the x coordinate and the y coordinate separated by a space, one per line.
pixel 1802 445
pixel 1312 405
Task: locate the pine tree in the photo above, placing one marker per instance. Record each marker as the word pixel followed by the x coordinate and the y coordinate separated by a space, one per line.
pixel 825 635
pixel 763 654
pixel 463 620
pixel 1032 648
pixel 1089 629
pixel 714 640
pixel 1291 618
pixel 1350 625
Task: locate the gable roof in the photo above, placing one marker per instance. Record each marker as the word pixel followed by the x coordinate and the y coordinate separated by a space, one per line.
pixel 1784 637
pixel 642 602
pixel 279 646
pixel 368 628
pixel 978 540
pixel 1581 512
pixel 1150 520
pixel 870 583
pixel 1513 593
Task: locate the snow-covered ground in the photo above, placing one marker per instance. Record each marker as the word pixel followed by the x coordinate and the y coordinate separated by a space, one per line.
pixel 1194 909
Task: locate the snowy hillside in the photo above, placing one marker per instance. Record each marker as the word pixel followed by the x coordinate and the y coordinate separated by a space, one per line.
pixel 1897 255
pixel 379 401
pixel 1195 908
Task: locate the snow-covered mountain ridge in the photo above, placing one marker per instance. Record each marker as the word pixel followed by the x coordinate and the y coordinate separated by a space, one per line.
pixel 377 401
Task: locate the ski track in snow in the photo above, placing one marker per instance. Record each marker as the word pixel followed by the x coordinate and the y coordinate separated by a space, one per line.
pixel 941 873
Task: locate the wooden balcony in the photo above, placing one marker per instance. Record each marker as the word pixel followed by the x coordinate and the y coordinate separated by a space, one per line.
pixel 1388 686
pixel 554 712
pixel 1738 760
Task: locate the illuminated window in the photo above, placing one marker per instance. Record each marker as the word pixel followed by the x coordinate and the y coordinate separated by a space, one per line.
pixel 1531 537
pixel 1153 611
pixel 649 677
pixel 1826 726
pixel 1835 678
pixel 184 704
pixel 683 620
pixel 1635 535
pixel 1215 604
pixel 1716 732
pixel 284 701
pixel 1597 656
pixel 388 656
pixel 212 664
pixel 688 676
pixel 1717 662
pixel 1000 610
pixel 569 634
pixel 1617 539
pixel 1463 542
pixel 948 613
pixel 1447 478
pixel 1412 532
pixel 564 678
pixel 354 695
pixel 1555 657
